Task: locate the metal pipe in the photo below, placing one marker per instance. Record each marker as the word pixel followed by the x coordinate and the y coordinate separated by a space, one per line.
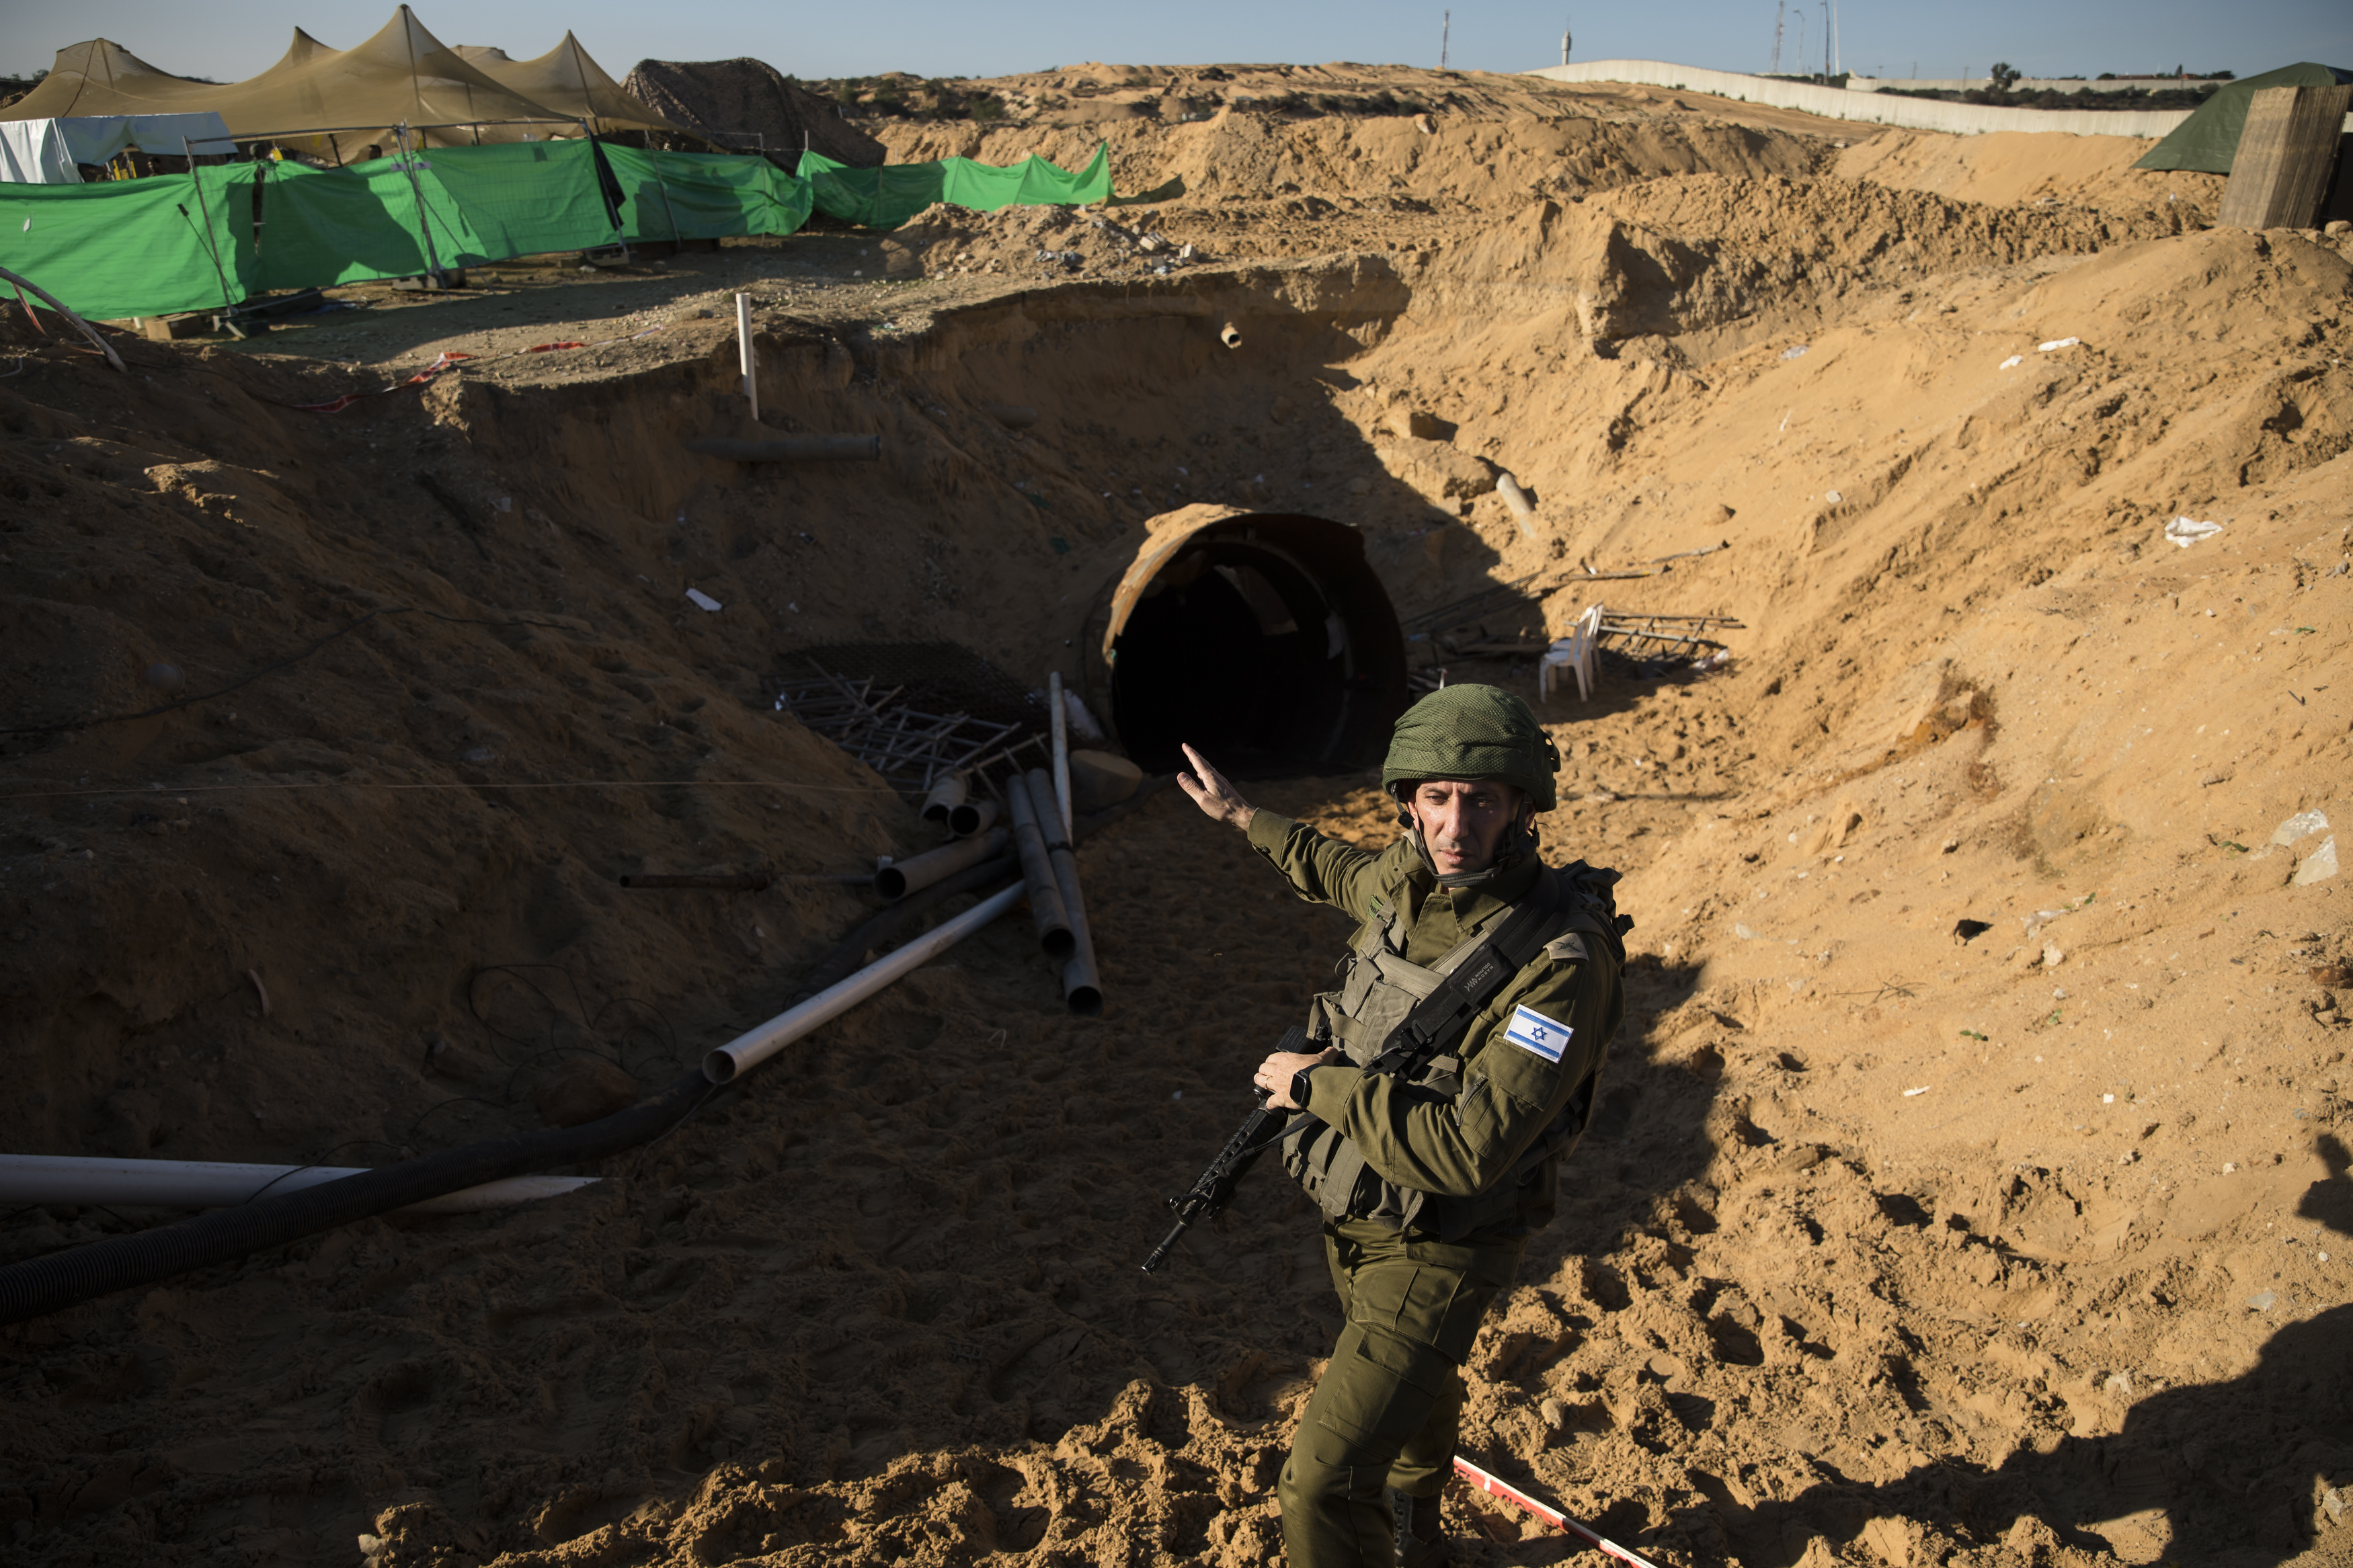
pixel 791 448
pixel 1038 874
pixel 744 352
pixel 945 797
pixel 900 878
pixel 1060 720
pixel 754 1046
pixel 752 884
pixel 1230 335
pixel 207 1184
pixel 971 818
pixel 1082 983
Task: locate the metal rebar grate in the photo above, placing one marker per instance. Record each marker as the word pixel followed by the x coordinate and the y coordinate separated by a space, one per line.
pixel 915 712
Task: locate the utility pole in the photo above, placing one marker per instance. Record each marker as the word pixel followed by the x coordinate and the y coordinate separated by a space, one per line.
pixel 1838 60
pixel 1445 35
pixel 1826 43
pixel 1780 10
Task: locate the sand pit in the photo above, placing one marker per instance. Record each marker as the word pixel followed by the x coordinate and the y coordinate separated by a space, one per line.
pixel 1971 1182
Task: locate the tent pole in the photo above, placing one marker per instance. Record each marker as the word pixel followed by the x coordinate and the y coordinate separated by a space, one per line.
pixel 424 221
pixel 228 305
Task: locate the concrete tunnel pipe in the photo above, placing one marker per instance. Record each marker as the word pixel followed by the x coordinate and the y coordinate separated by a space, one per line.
pixel 1263 639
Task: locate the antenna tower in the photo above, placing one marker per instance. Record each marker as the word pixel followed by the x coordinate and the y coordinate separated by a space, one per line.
pixel 1780 12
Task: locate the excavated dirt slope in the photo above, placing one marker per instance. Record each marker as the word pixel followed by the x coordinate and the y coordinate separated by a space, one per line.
pixel 1897 1239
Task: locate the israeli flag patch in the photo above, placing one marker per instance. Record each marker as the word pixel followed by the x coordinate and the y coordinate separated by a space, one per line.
pixel 1531 1031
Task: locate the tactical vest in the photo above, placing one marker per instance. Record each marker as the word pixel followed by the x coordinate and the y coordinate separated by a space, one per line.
pixel 1392 1016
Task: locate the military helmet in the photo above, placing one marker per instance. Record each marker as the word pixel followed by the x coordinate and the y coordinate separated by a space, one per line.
pixel 1473 733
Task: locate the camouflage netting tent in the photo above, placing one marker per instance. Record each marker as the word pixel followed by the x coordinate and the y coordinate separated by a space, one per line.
pixel 2209 139
pixel 749 104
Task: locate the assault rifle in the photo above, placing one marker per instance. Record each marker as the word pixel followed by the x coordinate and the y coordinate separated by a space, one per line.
pixel 1211 1191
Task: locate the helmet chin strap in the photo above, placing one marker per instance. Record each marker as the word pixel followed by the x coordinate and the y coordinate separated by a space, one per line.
pixel 1518 846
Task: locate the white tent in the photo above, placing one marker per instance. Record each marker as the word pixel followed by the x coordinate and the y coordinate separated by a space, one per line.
pixel 44 152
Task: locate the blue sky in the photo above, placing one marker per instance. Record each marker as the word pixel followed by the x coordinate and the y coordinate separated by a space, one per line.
pixel 936 37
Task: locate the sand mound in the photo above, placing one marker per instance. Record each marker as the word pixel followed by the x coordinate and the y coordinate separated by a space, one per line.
pixel 1896 1238
pixel 1046 244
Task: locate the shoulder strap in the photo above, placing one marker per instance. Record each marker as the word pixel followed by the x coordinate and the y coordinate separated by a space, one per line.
pixel 1439 1019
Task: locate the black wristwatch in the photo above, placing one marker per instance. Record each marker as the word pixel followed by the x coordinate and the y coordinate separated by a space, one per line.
pixel 1299 1084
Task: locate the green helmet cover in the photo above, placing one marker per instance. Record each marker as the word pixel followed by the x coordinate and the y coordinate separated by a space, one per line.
pixel 1473 733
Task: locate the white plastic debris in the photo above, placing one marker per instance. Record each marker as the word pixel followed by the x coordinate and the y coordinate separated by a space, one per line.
pixel 2056 344
pixel 2013 361
pixel 1833 496
pixel 1796 353
pixel 2318 866
pixel 1912 1093
pixel 2187 531
pixel 2261 1300
pixel 701 600
pixel 2303 825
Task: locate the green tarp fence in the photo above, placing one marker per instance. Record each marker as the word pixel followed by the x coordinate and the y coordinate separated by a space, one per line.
pixel 220 235
pixel 134 248
pixel 705 195
pixel 2209 139
pixel 889 195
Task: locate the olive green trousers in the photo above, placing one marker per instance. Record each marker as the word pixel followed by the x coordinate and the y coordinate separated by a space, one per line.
pixel 1384 1412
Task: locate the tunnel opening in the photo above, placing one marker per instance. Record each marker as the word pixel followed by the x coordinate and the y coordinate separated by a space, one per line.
pixel 1264 640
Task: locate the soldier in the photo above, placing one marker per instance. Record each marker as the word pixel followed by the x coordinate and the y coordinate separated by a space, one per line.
pixel 1461 1049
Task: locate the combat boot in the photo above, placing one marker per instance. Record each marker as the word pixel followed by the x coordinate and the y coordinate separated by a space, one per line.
pixel 1421 1538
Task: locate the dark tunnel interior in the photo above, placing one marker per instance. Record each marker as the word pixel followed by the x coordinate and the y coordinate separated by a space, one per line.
pixel 1267 643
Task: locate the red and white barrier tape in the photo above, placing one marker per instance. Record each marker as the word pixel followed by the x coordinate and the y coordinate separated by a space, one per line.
pixel 336 406
pixel 1552 1516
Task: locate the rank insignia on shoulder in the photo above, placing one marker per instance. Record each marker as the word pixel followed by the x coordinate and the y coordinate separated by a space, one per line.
pixel 1567 948
pixel 1531 1031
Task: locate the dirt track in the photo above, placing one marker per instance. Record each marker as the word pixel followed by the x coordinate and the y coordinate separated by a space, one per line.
pixel 1889 1247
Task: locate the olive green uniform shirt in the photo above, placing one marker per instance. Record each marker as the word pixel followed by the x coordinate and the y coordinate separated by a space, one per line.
pixel 1510 1094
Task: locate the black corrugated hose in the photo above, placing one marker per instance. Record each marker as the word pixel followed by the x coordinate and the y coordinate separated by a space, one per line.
pixel 61 1279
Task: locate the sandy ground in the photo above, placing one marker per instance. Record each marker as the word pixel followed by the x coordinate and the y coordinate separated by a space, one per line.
pixel 1898 1240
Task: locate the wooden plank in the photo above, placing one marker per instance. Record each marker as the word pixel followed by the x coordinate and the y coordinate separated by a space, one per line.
pixel 2285 154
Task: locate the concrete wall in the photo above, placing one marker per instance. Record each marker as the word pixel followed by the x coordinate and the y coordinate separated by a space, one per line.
pixel 2029 84
pixel 1873 107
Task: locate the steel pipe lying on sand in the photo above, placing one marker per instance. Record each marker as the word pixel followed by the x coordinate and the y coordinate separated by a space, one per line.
pixel 1037 870
pixel 58 1279
pixel 1230 335
pixel 900 878
pixel 1081 985
pixel 791 448
pixel 972 817
pixel 1062 754
pixel 943 798
pixel 209 1184
pixel 750 1049
pixel 61 1279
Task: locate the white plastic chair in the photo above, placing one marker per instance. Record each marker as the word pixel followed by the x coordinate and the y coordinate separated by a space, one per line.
pixel 1576 652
